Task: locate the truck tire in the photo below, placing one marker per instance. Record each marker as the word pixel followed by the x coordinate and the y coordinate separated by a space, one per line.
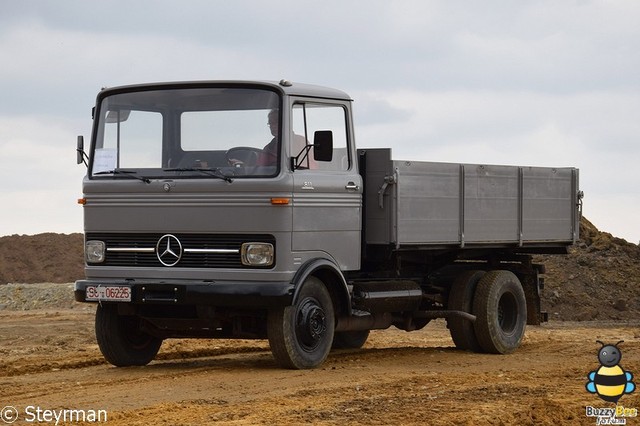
pixel 350 339
pixel 461 299
pixel 500 307
pixel 120 339
pixel 300 336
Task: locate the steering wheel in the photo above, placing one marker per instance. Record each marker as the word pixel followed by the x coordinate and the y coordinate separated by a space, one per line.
pixel 241 156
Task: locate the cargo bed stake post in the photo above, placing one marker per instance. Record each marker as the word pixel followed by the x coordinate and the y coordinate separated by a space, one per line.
pixel 520 206
pixel 577 217
pixel 395 214
pixel 461 207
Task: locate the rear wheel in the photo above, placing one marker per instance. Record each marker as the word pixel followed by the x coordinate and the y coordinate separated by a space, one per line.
pixel 500 307
pixel 461 299
pixel 300 335
pixel 121 340
pixel 350 339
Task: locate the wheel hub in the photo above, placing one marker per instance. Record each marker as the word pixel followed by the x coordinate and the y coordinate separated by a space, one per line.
pixel 311 323
pixel 507 313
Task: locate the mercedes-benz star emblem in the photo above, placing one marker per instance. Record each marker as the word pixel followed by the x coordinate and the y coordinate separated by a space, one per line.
pixel 169 250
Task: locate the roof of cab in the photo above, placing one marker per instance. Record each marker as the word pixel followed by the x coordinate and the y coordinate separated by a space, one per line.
pixel 284 86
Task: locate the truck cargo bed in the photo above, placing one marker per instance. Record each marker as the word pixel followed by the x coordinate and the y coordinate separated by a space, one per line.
pixel 409 203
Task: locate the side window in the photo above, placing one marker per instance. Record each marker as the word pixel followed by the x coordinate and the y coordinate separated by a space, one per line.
pixel 310 117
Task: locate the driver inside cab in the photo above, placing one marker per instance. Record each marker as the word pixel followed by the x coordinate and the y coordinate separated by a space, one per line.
pixel 269 154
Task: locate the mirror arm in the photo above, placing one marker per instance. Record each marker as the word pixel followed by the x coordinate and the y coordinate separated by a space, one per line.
pixel 82 156
pixel 296 161
pixel 85 157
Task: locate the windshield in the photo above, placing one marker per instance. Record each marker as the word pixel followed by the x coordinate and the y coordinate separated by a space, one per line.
pixel 188 132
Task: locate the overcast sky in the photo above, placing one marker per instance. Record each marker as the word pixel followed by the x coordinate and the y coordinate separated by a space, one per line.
pixel 551 83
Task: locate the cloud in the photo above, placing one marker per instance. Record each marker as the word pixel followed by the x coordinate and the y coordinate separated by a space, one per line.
pixel 42 180
pixel 374 109
pixel 58 64
pixel 595 132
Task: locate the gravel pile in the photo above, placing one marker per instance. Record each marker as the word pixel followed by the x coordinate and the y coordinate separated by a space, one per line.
pixel 26 297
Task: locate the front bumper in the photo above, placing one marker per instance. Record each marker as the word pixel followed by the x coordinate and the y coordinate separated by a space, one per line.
pixel 244 294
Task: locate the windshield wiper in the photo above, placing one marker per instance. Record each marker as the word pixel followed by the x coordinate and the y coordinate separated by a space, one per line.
pixel 129 173
pixel 207 171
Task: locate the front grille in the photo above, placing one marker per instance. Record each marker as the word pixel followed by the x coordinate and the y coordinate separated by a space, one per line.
pixel 198 250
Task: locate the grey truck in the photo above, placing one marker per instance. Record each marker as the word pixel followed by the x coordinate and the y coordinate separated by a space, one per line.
pixel 244 209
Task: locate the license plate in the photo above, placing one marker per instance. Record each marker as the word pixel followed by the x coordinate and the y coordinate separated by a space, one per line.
pixel 108 293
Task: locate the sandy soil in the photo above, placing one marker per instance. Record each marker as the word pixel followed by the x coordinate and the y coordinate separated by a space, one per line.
pixel 50 360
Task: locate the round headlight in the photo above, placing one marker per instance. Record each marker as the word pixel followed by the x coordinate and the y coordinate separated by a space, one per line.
pixel 257 254
pixel 94 251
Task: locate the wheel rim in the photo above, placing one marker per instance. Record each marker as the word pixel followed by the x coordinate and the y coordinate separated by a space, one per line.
pixel 130 328
pixel 311 324
pixel 507 313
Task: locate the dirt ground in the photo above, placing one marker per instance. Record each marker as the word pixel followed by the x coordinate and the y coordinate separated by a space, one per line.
pixel 50 360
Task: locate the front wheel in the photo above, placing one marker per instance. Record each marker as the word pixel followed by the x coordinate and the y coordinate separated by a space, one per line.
pixel 121 340
pixel 500 307
pixel 300 335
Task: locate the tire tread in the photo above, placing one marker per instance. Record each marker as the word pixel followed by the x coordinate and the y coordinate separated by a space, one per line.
pixel 489 291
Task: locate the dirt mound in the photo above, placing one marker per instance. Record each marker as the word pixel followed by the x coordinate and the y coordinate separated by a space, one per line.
pixel 49 257
pixel 598 280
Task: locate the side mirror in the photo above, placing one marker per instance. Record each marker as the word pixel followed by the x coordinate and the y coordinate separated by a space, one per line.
pixel 323 145
pixel 80 155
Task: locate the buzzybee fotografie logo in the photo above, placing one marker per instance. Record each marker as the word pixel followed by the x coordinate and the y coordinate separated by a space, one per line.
pixel 610 382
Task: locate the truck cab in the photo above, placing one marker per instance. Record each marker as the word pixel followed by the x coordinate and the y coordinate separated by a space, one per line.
pixel 206 204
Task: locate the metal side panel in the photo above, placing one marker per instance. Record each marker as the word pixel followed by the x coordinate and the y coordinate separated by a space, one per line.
pixel 549 204
pixel 327 214
pixel 491 204
pixel 428 202
pixel 379 225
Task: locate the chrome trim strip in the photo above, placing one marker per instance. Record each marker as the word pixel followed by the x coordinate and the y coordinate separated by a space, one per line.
pixel 153 250
pixel 132 249
pixel 195 250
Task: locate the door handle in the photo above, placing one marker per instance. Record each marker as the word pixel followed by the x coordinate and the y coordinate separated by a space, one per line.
pixel 352 186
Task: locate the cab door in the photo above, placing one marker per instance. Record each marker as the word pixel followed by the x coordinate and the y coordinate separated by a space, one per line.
pixel 327 195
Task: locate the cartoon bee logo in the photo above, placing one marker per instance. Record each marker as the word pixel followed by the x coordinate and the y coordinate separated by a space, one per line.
pixel 610 381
